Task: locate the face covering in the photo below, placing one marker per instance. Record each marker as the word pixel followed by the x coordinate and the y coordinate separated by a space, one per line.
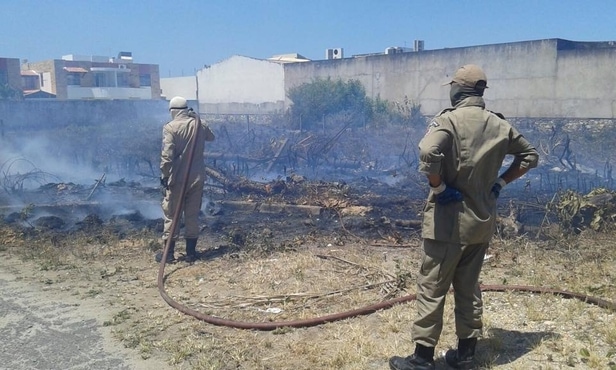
pixel 460 92
pixel 175 112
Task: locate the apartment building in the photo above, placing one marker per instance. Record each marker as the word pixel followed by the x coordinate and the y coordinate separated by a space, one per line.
pixel 76 77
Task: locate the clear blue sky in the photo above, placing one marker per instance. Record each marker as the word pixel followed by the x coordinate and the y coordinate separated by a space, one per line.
pixel 183 35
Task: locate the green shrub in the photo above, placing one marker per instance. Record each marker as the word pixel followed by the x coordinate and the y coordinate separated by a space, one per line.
pixel 315 102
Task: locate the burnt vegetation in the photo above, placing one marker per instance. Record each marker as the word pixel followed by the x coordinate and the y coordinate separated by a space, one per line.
pixel 333 150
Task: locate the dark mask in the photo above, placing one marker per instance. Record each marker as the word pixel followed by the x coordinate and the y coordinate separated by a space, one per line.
pixel 460 92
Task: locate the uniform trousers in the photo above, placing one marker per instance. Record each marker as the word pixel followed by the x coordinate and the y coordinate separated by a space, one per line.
pixel 443 265
pixel 191 207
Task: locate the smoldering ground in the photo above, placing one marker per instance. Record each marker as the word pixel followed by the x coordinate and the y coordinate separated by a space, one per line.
pixel 115 164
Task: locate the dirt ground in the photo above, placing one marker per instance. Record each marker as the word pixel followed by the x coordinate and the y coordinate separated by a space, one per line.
pixel 86 297
pixel 46 324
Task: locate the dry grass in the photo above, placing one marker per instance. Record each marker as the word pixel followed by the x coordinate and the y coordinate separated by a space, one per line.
pixel 522 331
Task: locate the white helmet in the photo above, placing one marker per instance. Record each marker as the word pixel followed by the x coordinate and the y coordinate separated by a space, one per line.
pixel 178 102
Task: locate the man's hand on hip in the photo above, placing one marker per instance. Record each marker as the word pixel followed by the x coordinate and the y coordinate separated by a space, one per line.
pixel 445 194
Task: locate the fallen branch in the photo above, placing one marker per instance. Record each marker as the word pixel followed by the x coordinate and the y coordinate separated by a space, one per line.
pixel 261 300
pixel 243 185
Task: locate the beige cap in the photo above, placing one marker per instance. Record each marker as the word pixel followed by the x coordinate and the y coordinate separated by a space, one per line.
pixel 469 75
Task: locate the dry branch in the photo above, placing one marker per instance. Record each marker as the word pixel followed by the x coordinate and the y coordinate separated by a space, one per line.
pixel 242 185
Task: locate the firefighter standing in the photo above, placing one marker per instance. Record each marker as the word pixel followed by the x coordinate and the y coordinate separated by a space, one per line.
pixel 461 154
pixel 178 134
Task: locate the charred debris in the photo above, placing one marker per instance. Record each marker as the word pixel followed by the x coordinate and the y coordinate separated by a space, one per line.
pixel 356 182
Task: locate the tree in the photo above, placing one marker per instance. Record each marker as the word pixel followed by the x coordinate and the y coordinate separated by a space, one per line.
pixel 313 101
pixel 323 97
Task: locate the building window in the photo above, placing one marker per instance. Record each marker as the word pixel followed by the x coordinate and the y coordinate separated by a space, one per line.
pixel 30 82
pixel 73 79
pixel 122 79
pixel 4 78
pixel 104 79
pixel 145 80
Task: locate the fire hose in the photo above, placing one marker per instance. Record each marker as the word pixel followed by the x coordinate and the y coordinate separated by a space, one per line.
pixel 366 310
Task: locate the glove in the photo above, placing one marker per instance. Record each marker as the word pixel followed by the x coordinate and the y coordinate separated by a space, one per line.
pixel 445 195
pixel 498 186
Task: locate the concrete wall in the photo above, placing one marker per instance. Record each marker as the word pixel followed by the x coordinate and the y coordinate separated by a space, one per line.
pixel 179 86
pixel 585 84
pixel 544 78
pixel 240 83
pixel 419 76
pixel 50 113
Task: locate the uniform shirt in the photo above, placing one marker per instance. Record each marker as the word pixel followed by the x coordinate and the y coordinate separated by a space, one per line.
pixel 177 136
pixel 466 146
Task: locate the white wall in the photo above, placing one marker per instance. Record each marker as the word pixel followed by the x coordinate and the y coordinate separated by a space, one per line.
pixel 179 86
pixel 46 84
pixel 253 84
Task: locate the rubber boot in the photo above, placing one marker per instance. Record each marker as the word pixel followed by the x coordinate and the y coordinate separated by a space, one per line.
pixel 462 358
pixel 191 253
pixel 422 359
pixel 170 252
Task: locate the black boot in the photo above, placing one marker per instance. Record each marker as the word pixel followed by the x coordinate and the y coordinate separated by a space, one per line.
pixel 462 358
pixel 422 359
pixel 191 253
pixel 170 257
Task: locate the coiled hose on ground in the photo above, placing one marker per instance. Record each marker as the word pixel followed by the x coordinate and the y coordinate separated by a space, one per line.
pixel 333 317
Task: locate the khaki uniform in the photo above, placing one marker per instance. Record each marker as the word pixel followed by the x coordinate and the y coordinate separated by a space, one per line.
pixel 466 146
pixel 177 137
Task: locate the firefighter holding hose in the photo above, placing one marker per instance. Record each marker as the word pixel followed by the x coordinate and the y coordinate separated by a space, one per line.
pixel 461 155
pixel 183 134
